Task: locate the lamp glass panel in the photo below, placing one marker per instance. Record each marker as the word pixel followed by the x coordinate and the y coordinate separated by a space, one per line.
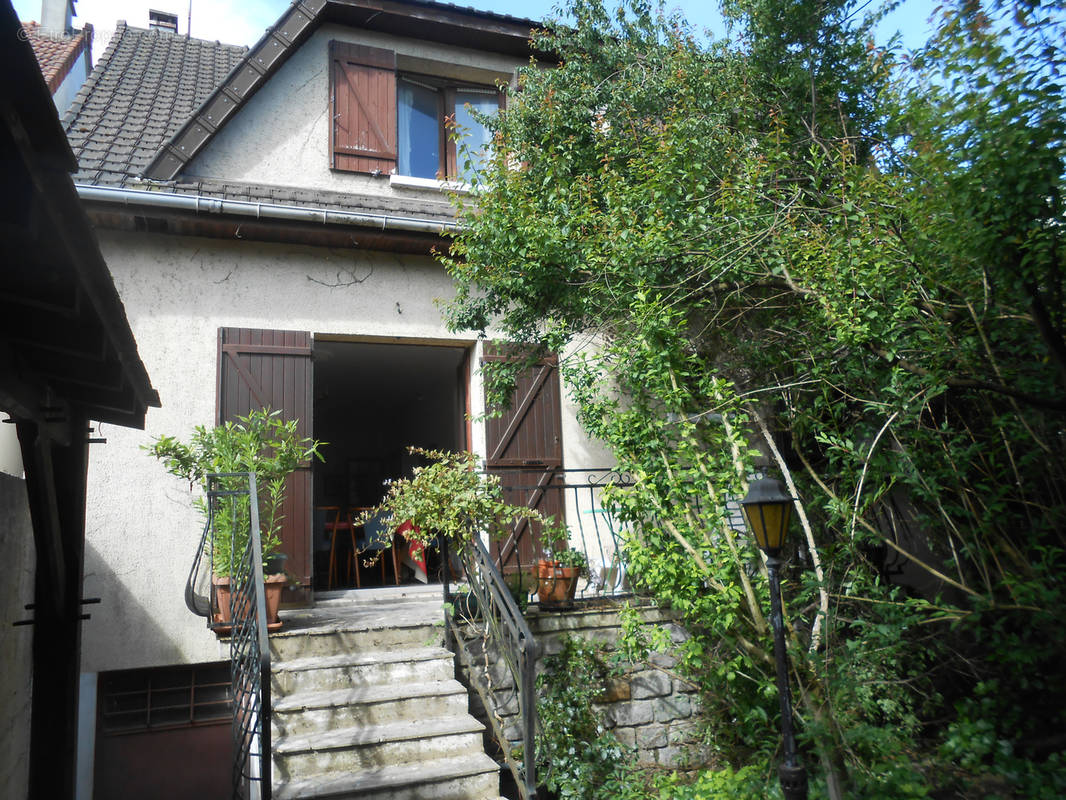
pixel 768 523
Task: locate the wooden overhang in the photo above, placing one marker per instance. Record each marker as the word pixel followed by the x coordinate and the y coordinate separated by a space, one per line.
pixel 64 337
pixel 67 356
pixel 409 18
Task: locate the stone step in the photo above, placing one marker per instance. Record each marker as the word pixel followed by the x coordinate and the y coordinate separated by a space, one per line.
pixel 366 705
pixel 351 627
pixel 472 777
pixel 290 645
pixel 348 670
pixel 376 747
pixel 307 712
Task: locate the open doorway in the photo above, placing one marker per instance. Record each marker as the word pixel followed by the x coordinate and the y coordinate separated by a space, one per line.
pixel 372 401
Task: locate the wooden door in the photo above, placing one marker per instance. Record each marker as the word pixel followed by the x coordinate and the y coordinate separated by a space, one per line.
pixel 272 369
pixel 525 451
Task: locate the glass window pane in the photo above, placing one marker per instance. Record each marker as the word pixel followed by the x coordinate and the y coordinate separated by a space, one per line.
pixel 473 145
pixel 418 130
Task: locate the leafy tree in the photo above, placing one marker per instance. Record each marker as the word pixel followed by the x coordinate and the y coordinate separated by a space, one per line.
pixel 798 252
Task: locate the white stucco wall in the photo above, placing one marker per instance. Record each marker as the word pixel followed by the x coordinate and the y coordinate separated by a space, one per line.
pixel 281 136
pixel 141 530
pixel 16 643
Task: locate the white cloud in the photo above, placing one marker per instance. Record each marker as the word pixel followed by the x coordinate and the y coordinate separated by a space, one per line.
pixel 229 22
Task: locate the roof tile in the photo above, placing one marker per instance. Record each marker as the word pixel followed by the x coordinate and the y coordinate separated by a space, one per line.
pixel 56 53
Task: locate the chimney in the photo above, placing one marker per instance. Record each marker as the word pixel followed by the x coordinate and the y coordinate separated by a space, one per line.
pixel 56 16
pixel 162 21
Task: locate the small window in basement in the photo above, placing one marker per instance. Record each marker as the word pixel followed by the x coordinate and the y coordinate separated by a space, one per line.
pixel 165 697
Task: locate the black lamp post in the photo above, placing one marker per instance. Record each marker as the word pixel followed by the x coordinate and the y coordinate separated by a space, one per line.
pixel 767 510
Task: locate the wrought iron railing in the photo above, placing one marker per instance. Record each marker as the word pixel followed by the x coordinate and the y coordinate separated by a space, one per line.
pixel 575 495
pixel 486 624
pixel 240 604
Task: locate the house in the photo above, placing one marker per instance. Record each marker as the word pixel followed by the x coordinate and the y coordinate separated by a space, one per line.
pixel 67 356
pixel 63 52
pixel 270 216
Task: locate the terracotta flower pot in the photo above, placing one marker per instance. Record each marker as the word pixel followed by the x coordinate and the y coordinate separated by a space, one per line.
pixel 556 584
pixel 272 586
pixel 222 599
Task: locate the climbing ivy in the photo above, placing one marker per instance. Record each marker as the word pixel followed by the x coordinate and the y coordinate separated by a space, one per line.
pixel 799 253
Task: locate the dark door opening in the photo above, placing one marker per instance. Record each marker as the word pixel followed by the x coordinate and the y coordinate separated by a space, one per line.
pixel 371 402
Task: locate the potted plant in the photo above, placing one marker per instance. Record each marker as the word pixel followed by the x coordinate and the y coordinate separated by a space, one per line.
pixel 264 444
pixel 557 576
pixel 450 497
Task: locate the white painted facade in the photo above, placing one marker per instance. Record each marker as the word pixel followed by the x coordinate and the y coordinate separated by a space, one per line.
pixel 281 136
pixel 141 528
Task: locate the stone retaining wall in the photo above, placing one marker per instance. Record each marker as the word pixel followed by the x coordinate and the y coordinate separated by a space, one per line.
pixel 647 708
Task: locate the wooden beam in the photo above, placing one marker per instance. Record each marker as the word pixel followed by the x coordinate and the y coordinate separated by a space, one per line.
pixel 56 485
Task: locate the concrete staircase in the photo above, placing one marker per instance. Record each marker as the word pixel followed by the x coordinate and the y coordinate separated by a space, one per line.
pixel 366 705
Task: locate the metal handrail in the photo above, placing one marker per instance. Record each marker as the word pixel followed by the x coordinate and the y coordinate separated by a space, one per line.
pixel 594 530
pixel 506 636
pixel 249 645
pixel 197 603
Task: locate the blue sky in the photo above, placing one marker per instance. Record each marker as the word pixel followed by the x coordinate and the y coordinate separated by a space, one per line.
pixel 243 21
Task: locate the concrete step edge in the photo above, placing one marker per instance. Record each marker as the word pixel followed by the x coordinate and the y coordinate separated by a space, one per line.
pixel 336 698
pixel 364 735
pixel 422 773
pixel 332 628
pixel 393 655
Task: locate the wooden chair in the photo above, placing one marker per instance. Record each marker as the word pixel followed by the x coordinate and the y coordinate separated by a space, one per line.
pixel 376 538
pixel 338 523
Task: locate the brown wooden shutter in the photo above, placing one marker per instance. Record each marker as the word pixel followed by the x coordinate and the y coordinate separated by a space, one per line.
pixel 363 108
pixel 272 369
pixel 525 451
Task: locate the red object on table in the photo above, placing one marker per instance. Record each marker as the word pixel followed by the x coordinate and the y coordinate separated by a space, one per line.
pixel 416 552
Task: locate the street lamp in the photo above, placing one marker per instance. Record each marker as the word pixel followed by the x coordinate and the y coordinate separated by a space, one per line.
pixel 767 510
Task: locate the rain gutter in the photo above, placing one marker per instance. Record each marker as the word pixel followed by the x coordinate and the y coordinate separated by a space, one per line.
pixel 198 204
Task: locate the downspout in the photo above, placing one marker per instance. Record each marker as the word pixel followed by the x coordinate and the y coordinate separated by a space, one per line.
pixel 243 208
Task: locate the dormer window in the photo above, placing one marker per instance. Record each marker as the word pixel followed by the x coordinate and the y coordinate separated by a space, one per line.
pixel 384 122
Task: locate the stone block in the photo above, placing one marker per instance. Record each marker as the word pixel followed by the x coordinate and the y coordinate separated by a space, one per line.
pixel 650 683
pixel 618 690
pixel 683 732
pixel 634 712
pixel 500 675
pixel 507 704
pixel 651 736
pixel 677 633
pixel 668 709
pixel 672 756
pixel 683 687
pixel 627 737
pixel 664 660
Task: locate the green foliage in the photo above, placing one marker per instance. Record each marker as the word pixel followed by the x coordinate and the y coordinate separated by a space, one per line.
pixel 451 497
pixel 576 754
pixel 801 253
pixel 578 758
pixel 261 443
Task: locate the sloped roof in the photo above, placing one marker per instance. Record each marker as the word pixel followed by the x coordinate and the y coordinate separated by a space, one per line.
pixel 153 100
pixel 146 84
pixel 419 19
pixel 57 54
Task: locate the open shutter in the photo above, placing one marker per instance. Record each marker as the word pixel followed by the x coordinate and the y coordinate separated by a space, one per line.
pixel 525 451
pixel 363 108
pixel 266 368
